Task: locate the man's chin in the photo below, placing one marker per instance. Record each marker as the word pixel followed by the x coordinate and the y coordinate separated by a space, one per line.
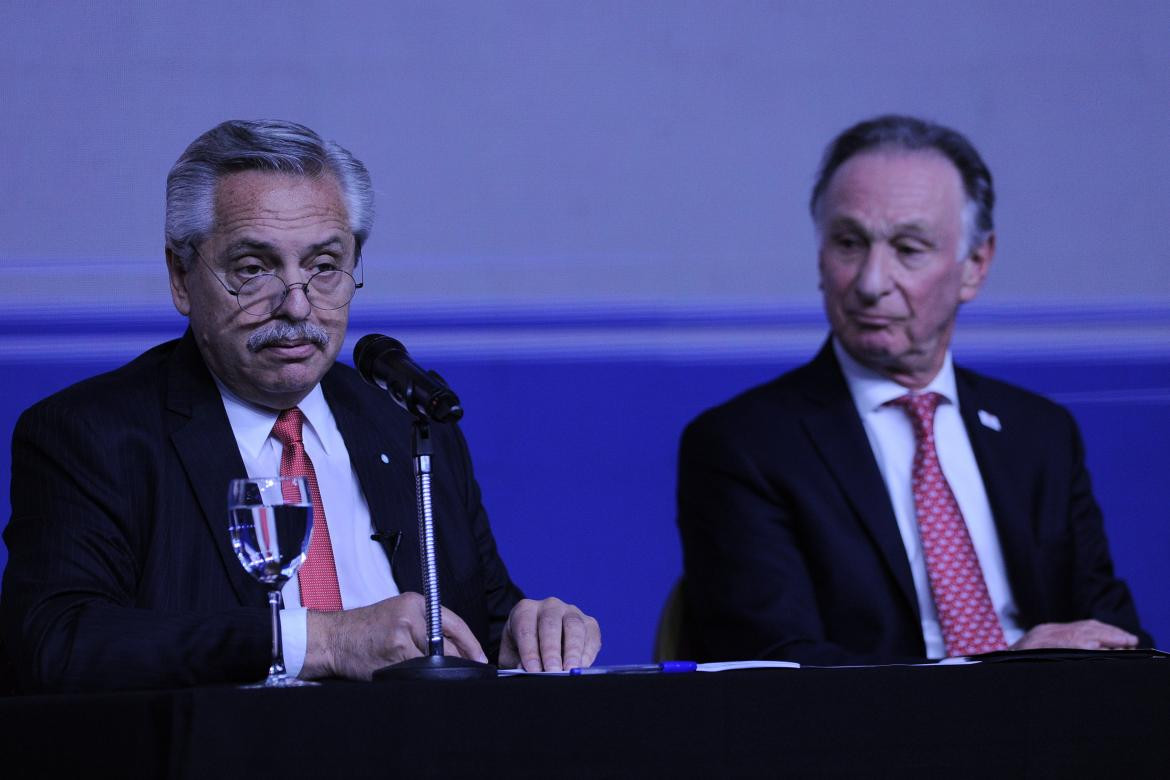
pixel 870 349
pixel 286 387
pixel 298 376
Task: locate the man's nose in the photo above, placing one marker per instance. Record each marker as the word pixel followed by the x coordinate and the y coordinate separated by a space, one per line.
pixel 873 276
pixel 295 306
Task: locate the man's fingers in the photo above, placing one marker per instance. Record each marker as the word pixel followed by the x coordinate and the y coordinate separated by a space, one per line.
pixel 550 627
pixel 409 620
pixel 581 637
pixel 549 636
pixel 1112 636
pixel 573 630
pixel 456 632
pixel 523 624
pixel 1095 635
pixel 509 656
pixel 411 640
pixel 592 641
pixel 1079 635
pixel 522 633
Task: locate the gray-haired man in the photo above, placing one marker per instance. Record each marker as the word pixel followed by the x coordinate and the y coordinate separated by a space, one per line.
pixel 120 571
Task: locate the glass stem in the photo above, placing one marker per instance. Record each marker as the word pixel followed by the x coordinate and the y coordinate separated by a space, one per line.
pixel 277 668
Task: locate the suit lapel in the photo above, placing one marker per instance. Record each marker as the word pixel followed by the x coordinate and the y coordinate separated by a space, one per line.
pixel 380 451
pixel 996 453
pixel 203 439
pixel 837 433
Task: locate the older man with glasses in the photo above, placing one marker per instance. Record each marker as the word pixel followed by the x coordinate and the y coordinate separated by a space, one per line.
pixel 121 573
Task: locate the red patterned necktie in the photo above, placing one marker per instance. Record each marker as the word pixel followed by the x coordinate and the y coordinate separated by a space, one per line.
pixel 318 574
pixel 968 620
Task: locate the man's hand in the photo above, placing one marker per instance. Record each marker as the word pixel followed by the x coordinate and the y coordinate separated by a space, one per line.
pixel 355 643
pixel 1081 635
pixel 548 636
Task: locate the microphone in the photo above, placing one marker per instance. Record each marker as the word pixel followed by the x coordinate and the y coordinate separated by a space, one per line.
pixel 384 362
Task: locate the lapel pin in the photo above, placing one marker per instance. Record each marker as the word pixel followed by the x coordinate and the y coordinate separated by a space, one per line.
pixel 386 458
pixel 989 420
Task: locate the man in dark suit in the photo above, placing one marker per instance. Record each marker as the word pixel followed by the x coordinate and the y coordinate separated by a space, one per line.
pixel 120 571
pixel 879 504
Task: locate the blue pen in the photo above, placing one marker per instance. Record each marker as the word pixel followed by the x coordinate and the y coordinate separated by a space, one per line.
pixel 666 667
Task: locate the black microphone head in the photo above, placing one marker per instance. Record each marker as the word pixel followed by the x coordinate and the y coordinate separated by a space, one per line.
pixel 370 349
pixel 384 362
pixel 445 407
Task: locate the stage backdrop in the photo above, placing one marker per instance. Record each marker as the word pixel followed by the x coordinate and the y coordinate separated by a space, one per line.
pixel 592 219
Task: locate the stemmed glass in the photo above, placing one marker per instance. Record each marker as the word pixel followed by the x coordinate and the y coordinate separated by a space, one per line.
pixel 270 519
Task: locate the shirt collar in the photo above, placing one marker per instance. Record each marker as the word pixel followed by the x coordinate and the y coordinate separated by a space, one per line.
pixel 252 424
pixel 871 390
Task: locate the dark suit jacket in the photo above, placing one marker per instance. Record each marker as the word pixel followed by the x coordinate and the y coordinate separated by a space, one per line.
pixel 790 545
pixel 120 570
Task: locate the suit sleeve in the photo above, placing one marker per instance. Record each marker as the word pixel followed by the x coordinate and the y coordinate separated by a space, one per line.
pixel 749 590
pixel 1096 592
pixel 499 593
pixel 72 611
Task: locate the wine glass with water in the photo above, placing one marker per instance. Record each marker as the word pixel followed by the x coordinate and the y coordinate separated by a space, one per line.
pixel 270 519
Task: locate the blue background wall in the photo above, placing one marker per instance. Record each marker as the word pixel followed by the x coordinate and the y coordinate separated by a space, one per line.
pixel 592 221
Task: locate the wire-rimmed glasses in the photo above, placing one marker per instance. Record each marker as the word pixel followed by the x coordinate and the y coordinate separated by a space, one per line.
pixel 264 293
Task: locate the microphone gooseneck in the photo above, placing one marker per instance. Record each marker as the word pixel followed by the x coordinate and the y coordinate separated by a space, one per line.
pixel 385 363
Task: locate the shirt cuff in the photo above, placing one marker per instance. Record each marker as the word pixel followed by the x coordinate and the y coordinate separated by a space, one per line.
pixel 294 632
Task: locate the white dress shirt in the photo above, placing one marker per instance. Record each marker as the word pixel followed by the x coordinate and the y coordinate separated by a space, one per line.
pixel 891 438
pixel 363 571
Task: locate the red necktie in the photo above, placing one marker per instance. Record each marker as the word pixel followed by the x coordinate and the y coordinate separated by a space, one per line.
pixel 318 574
pixel 968 620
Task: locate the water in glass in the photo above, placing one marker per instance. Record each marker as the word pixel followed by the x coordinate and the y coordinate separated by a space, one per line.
pixel 269 520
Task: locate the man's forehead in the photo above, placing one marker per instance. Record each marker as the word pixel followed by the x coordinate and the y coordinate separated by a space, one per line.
pixel 264 202
pixel 910 226
pixel 905 186
pixel 334 243
pixel 886 170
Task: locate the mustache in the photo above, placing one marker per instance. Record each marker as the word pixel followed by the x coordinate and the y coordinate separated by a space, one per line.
pixel 284 332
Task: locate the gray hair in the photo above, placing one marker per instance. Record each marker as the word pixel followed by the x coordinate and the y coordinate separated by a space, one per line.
pixel 262 145
pixel 913 134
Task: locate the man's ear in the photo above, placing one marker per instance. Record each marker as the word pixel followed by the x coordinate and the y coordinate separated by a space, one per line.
pixel 178 276
pixel 975 268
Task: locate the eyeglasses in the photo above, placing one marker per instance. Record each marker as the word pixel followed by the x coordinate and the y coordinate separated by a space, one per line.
pixel 262 294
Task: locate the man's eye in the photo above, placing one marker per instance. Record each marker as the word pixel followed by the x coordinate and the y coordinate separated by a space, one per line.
pixel 847 242
pixel 909 250
pixel 245 272
pixel 322 267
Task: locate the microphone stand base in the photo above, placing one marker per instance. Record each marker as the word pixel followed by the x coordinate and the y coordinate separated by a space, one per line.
pixel 436 667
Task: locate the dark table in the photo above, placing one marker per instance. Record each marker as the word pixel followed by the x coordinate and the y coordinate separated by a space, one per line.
pixel 1095 718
